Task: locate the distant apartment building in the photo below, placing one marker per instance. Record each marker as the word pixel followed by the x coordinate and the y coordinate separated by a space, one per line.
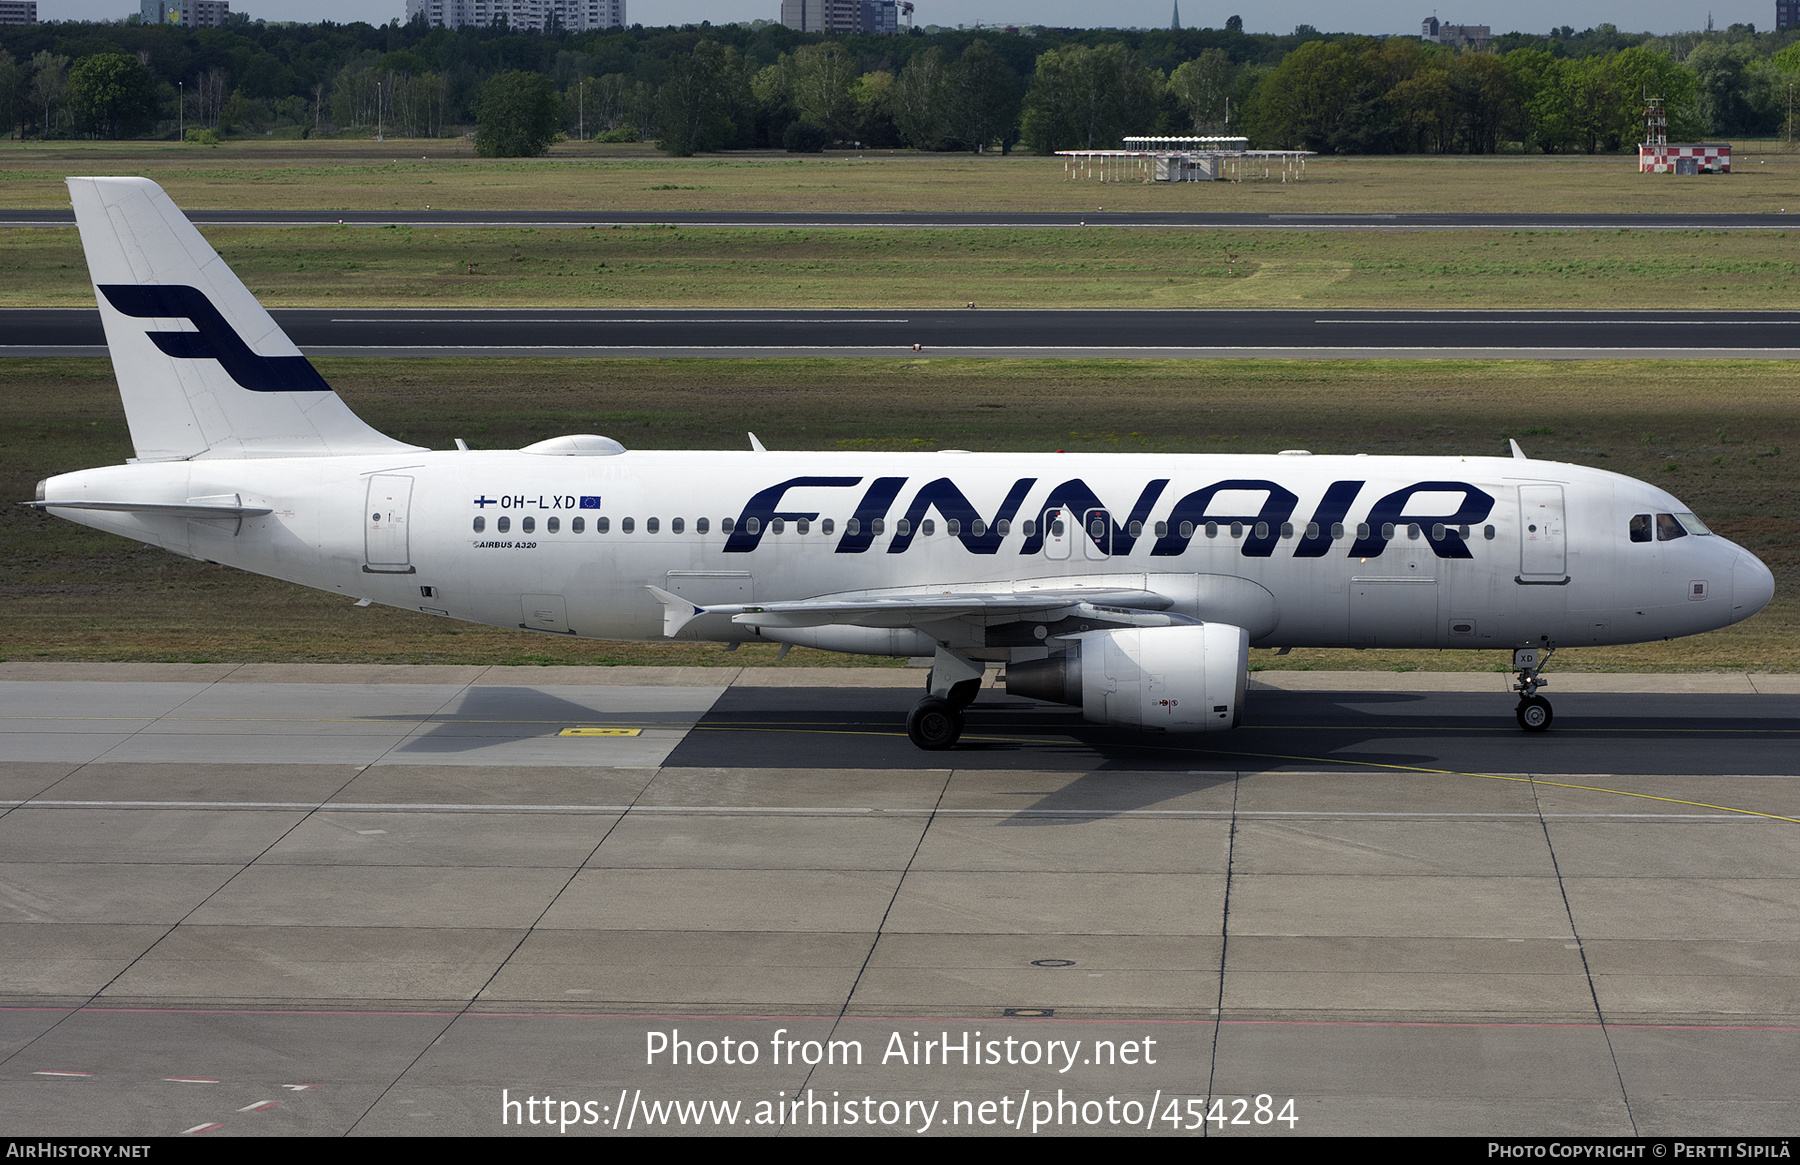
pixel 1787 14
pixel 878 17
pixel 18 11
pixel 188 13
pixel 1467 36
pixel 535 15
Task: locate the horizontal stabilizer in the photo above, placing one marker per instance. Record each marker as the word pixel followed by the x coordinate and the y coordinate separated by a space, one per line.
pixel 228 507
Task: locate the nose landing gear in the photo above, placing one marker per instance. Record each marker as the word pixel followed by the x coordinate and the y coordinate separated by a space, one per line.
pixel 1534 712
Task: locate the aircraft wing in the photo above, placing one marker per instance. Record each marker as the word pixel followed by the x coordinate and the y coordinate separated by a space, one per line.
pixel 913 607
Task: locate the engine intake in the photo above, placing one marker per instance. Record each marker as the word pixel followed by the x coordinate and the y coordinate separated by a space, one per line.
pixel 1183 679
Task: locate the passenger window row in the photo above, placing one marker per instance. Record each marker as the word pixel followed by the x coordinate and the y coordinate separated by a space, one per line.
pixel 979 528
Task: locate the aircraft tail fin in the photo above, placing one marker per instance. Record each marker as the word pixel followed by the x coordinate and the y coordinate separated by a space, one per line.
pixel 203 370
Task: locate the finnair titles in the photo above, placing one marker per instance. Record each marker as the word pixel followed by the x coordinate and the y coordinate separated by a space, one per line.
pixel 1129 585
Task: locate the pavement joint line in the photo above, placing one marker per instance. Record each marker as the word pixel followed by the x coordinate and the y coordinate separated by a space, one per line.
pixel 1123 1021
pixel 1587 968
pixel 853 811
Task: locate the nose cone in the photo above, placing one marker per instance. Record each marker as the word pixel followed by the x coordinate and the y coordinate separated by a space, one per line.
pixel 1752 586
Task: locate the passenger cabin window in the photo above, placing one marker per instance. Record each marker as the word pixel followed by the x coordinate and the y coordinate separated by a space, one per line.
pixel 504 524
pixel 801 525
pixel 928 527
pixel 827 526
pixel 902 527
pixel 977 527
pixel 753 526
pixel 1640 527
pixel 528 524
pixel 577 525
pixel 1337 531
pixel 701 525
pixel 1004 527
pixel 879 525
pixel 1028 528
pixel 602 525
pixel 1162 529
pixel 726 525
pixel 777 526
pixel 627 525
pixel 853 527
pixel 480 523
pixel 553 525
pixel 652 526
pixel 676 525
pixel 1668 529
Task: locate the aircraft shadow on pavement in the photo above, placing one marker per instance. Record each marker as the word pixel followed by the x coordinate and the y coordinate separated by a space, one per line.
pixel 1282 731
pixel 483 718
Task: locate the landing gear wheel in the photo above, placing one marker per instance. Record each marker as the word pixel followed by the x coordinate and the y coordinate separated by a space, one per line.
pixel 934 724
pixel 963 694
pixel 1534 714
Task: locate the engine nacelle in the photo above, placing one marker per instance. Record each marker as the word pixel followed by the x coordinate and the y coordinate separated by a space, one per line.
pixel 1182 679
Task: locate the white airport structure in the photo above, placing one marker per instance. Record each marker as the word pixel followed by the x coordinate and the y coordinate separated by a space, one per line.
pixel 533 15
pixel 1185 159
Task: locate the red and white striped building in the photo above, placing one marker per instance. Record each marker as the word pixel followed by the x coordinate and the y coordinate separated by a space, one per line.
pixel 1684 158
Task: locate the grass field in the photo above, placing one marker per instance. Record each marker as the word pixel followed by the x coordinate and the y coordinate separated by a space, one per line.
pixel 1723 436
pixel 666 267
pixel 443 173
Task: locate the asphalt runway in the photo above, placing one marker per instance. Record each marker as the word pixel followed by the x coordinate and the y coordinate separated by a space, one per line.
pixel 962 332
pixel 938 220
pixel 247 899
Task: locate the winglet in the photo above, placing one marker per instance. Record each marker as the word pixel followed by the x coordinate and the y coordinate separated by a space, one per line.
pixel 755 445
pixel 677 611
pixel 1518 453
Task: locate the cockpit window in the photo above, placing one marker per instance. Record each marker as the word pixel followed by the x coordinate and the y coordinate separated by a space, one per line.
pixel 1668 529
pixel 1692 524
pixel 1640 527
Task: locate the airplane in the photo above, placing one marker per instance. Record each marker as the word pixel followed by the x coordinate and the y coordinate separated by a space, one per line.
pixel 1132 586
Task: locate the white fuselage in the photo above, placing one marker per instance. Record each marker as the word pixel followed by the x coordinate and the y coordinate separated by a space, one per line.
pixel 1482 552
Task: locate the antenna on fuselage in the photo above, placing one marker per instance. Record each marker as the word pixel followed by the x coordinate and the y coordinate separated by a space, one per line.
pixel 1518 453
pixel 755 445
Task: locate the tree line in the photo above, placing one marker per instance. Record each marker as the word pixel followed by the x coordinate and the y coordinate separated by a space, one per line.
pixel 761 85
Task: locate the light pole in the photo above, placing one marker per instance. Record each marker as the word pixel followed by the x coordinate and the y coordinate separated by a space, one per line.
pixel 378 111
pixel 181 109
pixel 581 108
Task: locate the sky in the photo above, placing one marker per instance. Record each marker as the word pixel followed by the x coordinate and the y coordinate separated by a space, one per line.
pixel 1381 16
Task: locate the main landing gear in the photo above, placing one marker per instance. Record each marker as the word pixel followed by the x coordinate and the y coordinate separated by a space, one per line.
pixel 936 722
pixel 1534 711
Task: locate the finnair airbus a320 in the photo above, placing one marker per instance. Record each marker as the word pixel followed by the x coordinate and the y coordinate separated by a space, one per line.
pixel 1130 585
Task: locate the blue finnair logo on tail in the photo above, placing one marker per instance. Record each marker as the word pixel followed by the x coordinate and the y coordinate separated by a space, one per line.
pixel 212 339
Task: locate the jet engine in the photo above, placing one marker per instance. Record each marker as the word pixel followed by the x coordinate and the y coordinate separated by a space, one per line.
pixel 1183 679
